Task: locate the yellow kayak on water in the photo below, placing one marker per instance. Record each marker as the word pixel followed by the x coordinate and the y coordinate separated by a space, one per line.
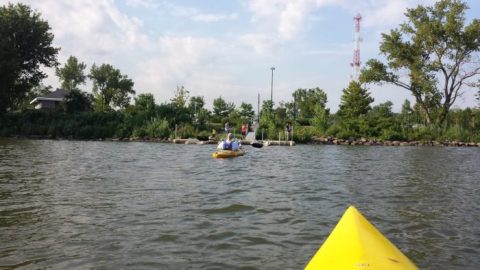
pixel 228 153
pixel 356 244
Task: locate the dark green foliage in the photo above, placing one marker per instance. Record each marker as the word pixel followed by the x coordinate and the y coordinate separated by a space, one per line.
pixel 158 128
pixel 307 101
pixel 25 46
pixel 355 101
pixel 354 107
pixel 77 101
pixel 221 109
pixel 303 134
pixel 246 112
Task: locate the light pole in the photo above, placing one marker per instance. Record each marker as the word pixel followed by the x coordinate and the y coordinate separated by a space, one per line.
pixel 271 88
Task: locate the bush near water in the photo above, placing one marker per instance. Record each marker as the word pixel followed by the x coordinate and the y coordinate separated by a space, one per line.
pixel 90 125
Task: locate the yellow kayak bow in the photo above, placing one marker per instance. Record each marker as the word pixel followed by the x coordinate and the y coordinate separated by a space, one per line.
pixel 356 244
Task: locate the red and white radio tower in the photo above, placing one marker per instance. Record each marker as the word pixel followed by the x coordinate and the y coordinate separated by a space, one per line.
pixel 356 51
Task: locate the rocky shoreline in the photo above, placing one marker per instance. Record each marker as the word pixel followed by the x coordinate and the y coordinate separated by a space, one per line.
pixel 313 141
pixel 363 141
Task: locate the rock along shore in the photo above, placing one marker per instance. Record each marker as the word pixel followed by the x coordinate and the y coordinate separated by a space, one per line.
pixel 314 140
pixel 363 141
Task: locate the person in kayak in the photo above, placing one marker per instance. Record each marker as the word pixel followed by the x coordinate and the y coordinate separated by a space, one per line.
pixel 229 143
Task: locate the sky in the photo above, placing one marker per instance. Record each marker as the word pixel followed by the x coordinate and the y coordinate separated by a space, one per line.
pixel 226 48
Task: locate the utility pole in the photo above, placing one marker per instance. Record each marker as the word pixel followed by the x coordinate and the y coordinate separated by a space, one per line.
pixel 271 88
pixel 258 109
pixel 356 51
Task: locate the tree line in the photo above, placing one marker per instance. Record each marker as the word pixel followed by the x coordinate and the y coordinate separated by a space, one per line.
pixel 434 55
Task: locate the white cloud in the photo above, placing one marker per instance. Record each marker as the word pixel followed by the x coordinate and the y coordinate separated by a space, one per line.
pixel 196 15
pixel 91 29
pixel 141 3
pixel 261 43
pixel 287 17
pixel 208 18
pixel 178 61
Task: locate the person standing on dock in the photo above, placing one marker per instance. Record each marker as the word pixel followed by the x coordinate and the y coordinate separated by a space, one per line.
pixel 227 128
pixel 244 130
pixel 288 130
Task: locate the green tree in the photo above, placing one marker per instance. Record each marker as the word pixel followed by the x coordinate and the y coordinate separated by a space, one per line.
pixel 267 109
pixel 110 87
pixel 196 104
pixel 478 94
pixel 405 116
pixel 221 108
pixel 306 103
pixel 267 124
pixel 25 46
pixel 181 97
pixel 436 50
pixel 199 114
pixel 246 111
pixel 355 101
pixel 77 101
pixel 145 102
pixel 354 106
pixel 320 119
pixel 71 74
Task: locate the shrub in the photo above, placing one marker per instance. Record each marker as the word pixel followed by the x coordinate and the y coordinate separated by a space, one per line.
pixel 391 135
pixel 158 128
pixel 303 133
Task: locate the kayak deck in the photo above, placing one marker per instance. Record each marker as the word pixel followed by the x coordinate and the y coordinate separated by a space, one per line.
pixel 356 244
pixel 228 153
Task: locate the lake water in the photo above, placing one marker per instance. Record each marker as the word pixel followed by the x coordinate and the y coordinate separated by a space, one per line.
pixel 114 205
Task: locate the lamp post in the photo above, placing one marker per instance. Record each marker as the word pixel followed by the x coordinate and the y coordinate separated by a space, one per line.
pixel 271 88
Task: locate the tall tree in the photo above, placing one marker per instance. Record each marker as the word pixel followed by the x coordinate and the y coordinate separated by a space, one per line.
pixel 246 111
pixel 25 46
pixel 406 114
pixel 71 74
pixel 478 94
pixel 221 108
pixel 181 97
pixel 196 104
pixel 110 87
pixel 199 114
pixel 355 101
pixel 306 102
pixel 145 102
pixel 438 53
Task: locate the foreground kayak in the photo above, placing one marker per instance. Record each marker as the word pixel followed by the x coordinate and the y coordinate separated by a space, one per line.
pixel 228 153
pixel 356 244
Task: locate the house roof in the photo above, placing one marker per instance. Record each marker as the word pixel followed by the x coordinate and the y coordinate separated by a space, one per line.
pixel 57 95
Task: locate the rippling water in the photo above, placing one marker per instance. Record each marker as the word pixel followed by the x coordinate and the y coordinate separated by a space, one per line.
pixel 113 205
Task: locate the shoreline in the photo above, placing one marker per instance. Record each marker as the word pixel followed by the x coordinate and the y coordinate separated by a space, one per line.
pixel 313 141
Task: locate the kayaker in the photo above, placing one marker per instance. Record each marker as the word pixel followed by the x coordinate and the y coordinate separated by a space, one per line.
pixel 229 143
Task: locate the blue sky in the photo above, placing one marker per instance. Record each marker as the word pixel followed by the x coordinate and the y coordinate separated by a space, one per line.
pixel 226 47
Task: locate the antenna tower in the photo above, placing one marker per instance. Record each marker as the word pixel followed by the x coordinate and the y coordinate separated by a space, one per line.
pixel 356 51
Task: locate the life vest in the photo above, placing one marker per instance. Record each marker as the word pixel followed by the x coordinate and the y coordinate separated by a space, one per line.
pixel 227 145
